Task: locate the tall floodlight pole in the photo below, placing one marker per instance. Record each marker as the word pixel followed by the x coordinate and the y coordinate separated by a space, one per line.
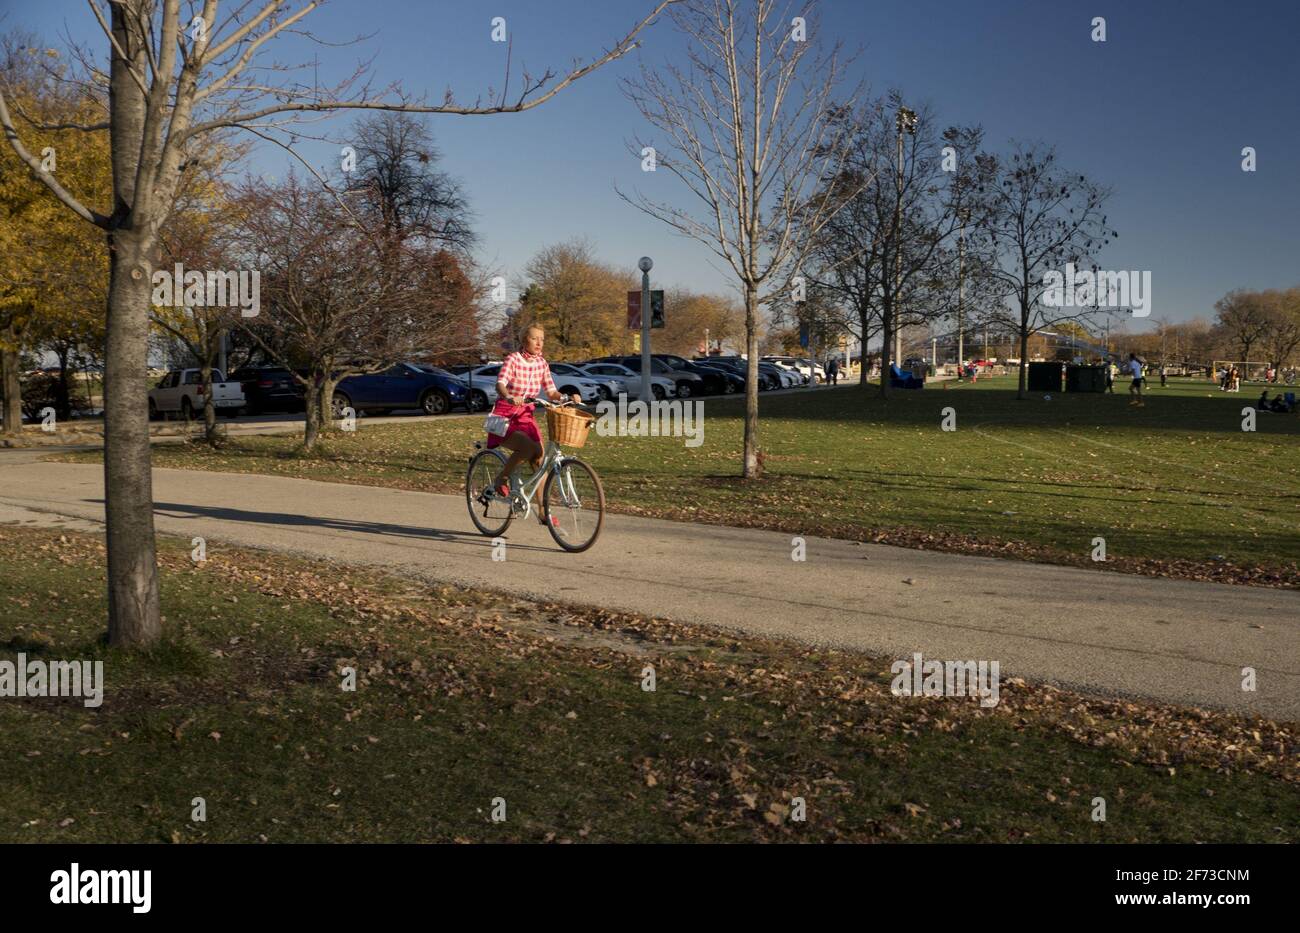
pixel 645 264
pixel 963 213
pixel 906 122
pixel 1096 306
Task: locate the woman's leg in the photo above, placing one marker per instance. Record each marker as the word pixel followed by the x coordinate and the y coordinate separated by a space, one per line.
pixel 521 447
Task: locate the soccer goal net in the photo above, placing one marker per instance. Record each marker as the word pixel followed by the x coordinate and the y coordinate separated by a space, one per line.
pixel 1247 371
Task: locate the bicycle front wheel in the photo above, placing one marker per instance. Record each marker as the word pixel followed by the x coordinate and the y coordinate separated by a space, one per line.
pixel 574 505
pixel 494 517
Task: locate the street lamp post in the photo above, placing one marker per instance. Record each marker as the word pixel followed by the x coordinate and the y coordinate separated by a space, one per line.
pixel 645 264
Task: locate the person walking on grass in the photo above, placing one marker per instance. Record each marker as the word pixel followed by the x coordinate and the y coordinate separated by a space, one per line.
pixel 1135 389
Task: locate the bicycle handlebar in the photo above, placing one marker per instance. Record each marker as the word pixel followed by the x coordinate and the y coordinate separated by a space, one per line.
pixel 566 401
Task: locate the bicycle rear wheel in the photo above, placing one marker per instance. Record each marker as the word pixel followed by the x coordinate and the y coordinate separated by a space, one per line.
pixel 574 505
pixel 494 518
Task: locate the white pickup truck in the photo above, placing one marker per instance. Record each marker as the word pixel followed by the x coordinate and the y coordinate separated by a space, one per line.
pixel 182 391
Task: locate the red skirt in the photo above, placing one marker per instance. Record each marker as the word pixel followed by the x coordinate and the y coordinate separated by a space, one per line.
pixel 519 418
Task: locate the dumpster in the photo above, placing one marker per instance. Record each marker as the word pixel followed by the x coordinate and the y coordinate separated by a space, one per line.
pixel 1044 377
pixel 1085 378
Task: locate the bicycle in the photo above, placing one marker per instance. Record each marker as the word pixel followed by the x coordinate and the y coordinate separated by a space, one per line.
pixel 573 499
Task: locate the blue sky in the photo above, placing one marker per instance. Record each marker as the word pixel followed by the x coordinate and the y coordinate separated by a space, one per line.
pixel 1160 112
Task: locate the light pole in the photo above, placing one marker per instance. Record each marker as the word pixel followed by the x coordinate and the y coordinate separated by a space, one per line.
pixel 963 213
pixel 645 264
pixel 905 120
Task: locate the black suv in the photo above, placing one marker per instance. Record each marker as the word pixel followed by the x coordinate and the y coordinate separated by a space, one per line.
pixel 270 388
pixel 713 381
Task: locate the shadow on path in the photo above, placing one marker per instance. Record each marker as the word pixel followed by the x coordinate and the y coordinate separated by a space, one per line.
pixel 308 522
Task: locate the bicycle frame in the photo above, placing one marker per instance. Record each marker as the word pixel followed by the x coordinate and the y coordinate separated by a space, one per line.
pixel 523 491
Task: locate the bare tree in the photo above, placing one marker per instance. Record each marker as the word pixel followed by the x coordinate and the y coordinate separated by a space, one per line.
pixel 748 126
pixel 172 81
pixel 397 173
pixel 1244 319
pixel 1283 336
pixel 1038 218
pixel 889 252
pixel 340 298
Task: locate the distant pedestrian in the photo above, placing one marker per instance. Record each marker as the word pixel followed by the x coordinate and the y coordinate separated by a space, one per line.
pixel 1163 380
pixel 1135 369
pixel 1110 377
pixel 833 371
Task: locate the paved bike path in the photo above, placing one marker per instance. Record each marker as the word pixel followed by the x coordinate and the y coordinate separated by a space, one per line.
pixel 1171 640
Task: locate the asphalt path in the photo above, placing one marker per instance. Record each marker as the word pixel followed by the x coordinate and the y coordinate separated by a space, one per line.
pixel 1110 633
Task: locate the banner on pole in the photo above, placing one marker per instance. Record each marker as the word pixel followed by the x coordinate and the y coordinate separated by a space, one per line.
pixel 634 309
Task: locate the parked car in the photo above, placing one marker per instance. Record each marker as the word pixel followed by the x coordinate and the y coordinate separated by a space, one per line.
pixel 570 378
pixel 733 382
pixel 790 377
pixel 616 383
pixel 583 386
pixel 768 376
pixel 712 382
pixel 482 387
pixel 804 367
pixel 789 369
pixel 406 385
pixel 270 388
pixel 183 392
pixel 661 387
pixel 686 383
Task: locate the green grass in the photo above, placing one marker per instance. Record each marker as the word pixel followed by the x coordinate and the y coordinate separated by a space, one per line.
pixel 468 696
pixel 1175 488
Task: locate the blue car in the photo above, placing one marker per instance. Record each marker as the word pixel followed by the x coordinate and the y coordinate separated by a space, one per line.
pixel 406 385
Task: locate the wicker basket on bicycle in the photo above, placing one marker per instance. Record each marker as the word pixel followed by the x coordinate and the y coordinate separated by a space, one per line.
pixel 568 427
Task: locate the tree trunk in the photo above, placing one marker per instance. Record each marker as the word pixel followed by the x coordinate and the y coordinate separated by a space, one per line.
pixel 63 393
pixel 12 390
pixel 209 405
pixel 1023 392
pixel 327 402
pixel 751 468
pixel 312 407
pixel 134 617
pixel 319 408
pixel 886 352
pixel 862 369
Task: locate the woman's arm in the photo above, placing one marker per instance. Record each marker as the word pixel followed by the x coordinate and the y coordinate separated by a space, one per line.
pixel 554 394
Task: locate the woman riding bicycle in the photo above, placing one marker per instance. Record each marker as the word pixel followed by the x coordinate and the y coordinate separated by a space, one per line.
pixel 523 376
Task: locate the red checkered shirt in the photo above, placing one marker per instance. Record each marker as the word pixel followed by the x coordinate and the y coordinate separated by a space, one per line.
pixel 526 375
